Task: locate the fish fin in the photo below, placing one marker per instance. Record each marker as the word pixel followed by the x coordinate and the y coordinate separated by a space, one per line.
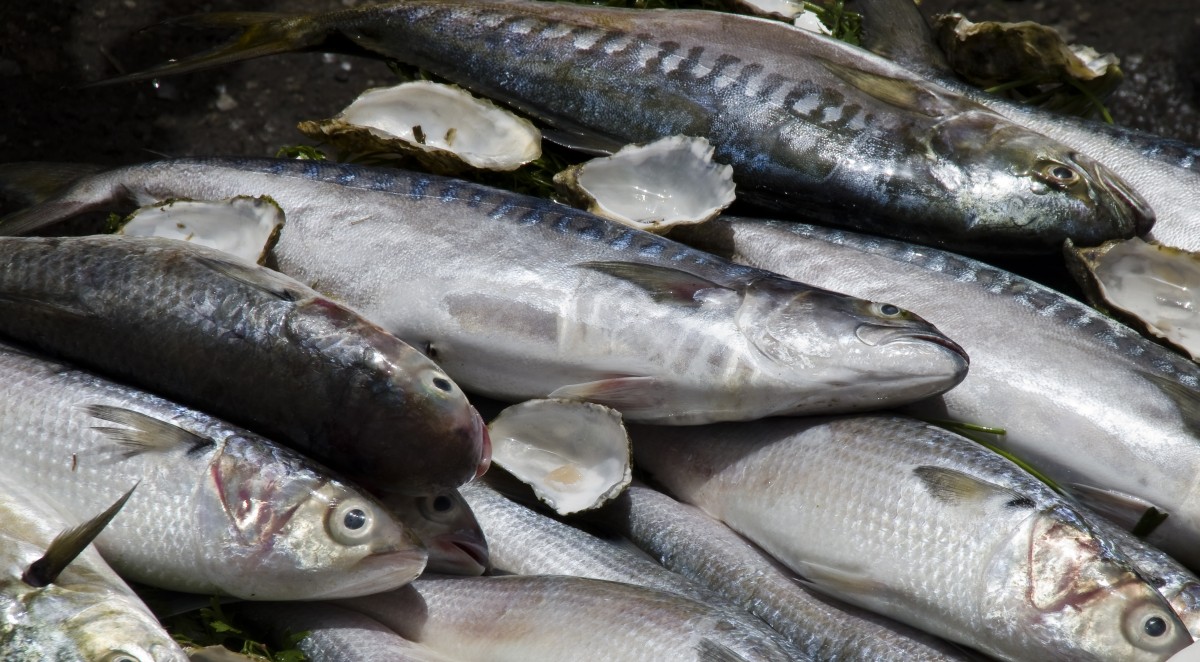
pixel 896 30
pixel 144 434
pixel 625 394
pixel 1186 398
pixel 581 140
pixel 263 33
pixel 957 488
pixel 911 95
pixel 70 544
pixel 710 651
pixel 257 277
pixel 664 284
pixel 36 184
pixel 840 582
pixel 55 309
pixel 1127 511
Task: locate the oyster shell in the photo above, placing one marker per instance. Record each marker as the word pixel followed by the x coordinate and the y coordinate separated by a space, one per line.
pixel 244 226
pixel 782 9
pixel 671 181
pixel 575 455
pixel 444 127
pixel 1153 288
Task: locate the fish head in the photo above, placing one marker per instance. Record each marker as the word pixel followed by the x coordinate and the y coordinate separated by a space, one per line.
pixel 866 350
pixel 1059 591
pixel 287 530
pixel 403 423
pixel 1185 600
pixel 1024 192
pixel 80 623
pixel 446 525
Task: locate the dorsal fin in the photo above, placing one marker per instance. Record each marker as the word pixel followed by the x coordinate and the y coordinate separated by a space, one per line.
pixel 144 434
pixel 70 544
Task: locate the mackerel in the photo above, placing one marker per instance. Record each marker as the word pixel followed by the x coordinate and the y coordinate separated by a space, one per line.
pixel 520 298
pixel 921 525
pixel 218 509
pixel 809 124
pixel 1105 413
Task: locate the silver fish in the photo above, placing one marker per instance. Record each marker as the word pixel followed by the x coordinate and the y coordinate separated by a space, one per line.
pixel 520 298
pixel 83 612
pixel 923 526
pixel 702 548
pixel 809 124
pixel 520 618
pixel 446 525
pixel 325 381
pixel 1107 414
pixel 218 509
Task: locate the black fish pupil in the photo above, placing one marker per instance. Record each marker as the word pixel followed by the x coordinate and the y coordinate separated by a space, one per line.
pixel 442 504
pixel 889 309
pixel 355 519
pixel 443 384
pixel 1062 172
pixel 1155 626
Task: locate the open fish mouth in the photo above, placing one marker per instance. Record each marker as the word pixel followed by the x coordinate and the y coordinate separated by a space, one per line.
pixel 470 556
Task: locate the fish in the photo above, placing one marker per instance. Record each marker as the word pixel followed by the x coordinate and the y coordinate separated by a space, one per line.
pixel 703 549
pixel 257 348
pixel 1109 416
pixel 1164 173
pixel 328 633
pixel 447 527
pixel 219 510
pixel 810 125
pixel 517 618
pixel 58 599
pixel 519 298
pixel 921 525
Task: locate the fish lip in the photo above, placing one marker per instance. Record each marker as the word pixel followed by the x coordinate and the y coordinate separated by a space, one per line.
pixel 944 342
pixel 485 459
pixel 470 554
pixel 1140 212
pixel 373 577
pixel 877 334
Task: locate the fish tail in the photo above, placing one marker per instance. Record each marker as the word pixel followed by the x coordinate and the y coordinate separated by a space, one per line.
pixel 262 33
pixel 41 186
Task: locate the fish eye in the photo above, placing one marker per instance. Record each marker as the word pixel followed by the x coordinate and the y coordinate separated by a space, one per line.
pixel 887 310
pixel 1058 174
pixel 350 522
pixel 438 508
pixel 120 656
pixel 442 384
pixel 1155 626
pixel 1149 627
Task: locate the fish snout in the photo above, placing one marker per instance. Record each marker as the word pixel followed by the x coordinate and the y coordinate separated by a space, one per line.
pixel 1124 202
pixel 485 443
pixel 875 335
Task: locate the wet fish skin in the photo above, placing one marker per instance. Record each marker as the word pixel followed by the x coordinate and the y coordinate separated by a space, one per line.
pixel 699 547
pixel 556 617
pixel 605 313
pixel 86 613
pixel 1100 406
pixel 916 523
pixel 784 107
pixel 218 509
pixel 326 381
pixel 448 528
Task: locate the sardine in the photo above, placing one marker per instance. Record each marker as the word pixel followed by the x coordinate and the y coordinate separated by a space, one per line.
pixel 809 124
pixel 923 526
pixel 448 528
pixel 1105 413
pixel 520 298
pixel 520 618
pixel 218 509
pixel 697 546
pixel 247 344
pixel 84 611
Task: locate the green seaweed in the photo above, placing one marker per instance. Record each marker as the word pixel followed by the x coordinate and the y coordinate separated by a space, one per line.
pixel 211 626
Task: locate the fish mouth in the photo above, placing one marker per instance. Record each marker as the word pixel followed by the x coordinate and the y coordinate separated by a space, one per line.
pixel 460 555
pixel 485 459
pixel 379 572
pixel 874 335
pixel 1130 203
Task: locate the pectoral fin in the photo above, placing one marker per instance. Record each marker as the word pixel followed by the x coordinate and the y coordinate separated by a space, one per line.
pixel 710 651
pixel 260 278
pixel 1132 513
pixel 625 394
pixel 66 311
pixel 144 434
pixel 909 95
pixel 70 544
pixel 957 488
pixel 841 583
pixel 1186 399
pixel 664 284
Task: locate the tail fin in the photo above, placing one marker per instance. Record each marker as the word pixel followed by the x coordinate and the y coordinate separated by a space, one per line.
pixel 39 185
pixel 263 33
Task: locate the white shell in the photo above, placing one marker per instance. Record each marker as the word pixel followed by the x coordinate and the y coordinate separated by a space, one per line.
pixel 669 182
pixel 243 226
pixel 444 126
pixel 785 9
pixel 807 20
pixel 1157 285
pixel 575 455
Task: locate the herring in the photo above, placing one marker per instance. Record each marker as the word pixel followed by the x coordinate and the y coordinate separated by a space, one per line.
pixel 519 298
pixel 74 607
pixel 921 525
pixel 257 348
pixel 448 528
pixel 810 125
pixel 218 509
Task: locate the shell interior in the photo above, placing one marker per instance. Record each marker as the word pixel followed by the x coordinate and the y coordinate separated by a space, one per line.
pixel 243 226
pixel 784 9
pixel 575 455
pixel 672 181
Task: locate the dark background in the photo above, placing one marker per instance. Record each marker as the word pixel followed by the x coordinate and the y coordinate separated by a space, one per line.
pixel 49 47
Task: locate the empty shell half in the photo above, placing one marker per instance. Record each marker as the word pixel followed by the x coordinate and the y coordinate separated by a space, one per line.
pixel 444 127
pixel 243 226
pixel 669 182
pixel 1154 288
pixel 575 455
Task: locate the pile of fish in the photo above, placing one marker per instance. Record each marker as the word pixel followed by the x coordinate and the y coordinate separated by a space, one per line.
pixel 298 437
